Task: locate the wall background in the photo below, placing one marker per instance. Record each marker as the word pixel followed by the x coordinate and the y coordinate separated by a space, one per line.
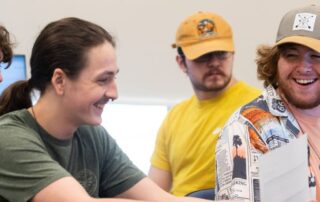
pixel 144 31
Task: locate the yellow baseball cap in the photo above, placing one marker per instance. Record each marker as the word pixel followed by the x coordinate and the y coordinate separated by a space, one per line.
pixel 301 26
pixel 204 32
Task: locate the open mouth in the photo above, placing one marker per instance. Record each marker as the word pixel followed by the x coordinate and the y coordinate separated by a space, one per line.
pixel 99 106
pixel 305 81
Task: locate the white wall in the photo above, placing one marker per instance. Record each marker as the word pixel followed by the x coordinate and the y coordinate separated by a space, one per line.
pixel 145 29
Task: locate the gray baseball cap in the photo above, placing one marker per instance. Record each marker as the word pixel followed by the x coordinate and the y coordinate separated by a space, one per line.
pixel 301 26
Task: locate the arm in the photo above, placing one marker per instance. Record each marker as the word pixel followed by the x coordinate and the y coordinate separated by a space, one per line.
pixel 161 177
pixel 67 189
pixel 234 164
pixel 64 189
pixel 160 168
pixel 147 190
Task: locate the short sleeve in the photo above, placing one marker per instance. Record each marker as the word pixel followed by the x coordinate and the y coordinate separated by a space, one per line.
pixel 232 163
pixel 118 173
pixel 25 165
pixel 159 158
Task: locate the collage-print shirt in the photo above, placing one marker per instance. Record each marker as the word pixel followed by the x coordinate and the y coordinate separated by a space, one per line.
pixel 262 125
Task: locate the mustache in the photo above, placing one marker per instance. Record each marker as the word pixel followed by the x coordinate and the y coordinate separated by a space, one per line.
pixel 214 72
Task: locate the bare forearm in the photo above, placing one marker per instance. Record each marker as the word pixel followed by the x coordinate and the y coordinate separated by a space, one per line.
pixel 161 177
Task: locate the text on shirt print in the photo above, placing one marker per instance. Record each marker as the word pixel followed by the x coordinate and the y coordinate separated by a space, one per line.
pixel 278 105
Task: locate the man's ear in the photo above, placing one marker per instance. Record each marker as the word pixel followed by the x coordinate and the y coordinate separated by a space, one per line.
pixel 58 81
pixel 182 63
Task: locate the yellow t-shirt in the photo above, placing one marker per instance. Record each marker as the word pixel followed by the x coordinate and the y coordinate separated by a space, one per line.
pixel 186 141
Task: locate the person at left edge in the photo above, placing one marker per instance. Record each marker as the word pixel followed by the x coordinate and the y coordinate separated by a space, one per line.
pixel 5 48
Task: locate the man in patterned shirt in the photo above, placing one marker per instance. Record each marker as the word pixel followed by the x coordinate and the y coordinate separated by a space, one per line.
pixel 288 109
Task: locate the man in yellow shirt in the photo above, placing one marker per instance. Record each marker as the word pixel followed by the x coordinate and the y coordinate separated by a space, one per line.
pixel 182 162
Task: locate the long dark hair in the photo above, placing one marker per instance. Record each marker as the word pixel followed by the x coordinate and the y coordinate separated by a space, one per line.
pixel 61 44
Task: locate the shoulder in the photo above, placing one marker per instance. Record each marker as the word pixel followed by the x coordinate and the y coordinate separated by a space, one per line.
pixel 183 105
pixel 240 94
pixel 18 126
pixel 179 110
pixel 243 88
pixel 249 110
pixel 19 117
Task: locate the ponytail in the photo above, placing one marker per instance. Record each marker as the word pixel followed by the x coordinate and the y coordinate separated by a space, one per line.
pixel 15 97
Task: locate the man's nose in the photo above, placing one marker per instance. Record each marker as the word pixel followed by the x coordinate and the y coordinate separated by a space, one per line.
pixel 112 91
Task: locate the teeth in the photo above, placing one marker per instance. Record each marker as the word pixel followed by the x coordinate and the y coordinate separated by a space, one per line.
pixel 305 81
pixel 99 106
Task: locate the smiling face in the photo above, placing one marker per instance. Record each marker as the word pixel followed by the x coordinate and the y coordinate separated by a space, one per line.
pixel 86 96
pixel 298 76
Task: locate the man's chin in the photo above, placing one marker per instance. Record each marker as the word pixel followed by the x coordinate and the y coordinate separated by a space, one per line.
pixel 95 121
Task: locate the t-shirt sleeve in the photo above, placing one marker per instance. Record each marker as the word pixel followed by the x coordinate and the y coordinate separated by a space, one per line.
pixel 25 166
pixel 159 158
pixel 118 173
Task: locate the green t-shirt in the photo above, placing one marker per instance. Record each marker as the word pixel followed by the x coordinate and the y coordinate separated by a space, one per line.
pixel 31 159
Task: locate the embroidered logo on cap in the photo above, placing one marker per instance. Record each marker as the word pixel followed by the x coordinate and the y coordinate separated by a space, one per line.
pixel 304 21
pixel 206 28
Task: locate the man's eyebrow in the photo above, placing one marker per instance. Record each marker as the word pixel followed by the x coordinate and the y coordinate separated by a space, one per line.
pixel 110 72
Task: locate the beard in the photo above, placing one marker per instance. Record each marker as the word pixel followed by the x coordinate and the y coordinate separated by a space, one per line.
pixel 216 86
pixel 302 100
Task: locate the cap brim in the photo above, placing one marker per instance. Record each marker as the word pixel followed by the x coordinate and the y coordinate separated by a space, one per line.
pixel 196 50
pixel 312 43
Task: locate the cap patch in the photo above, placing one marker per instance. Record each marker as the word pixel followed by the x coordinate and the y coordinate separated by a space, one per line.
pixel 304 21
pixel 206 28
